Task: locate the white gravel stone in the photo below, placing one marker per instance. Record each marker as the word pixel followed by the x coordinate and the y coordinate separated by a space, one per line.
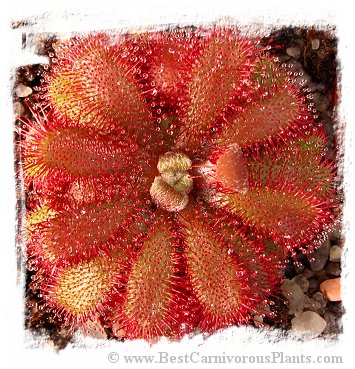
pixel 258 320
pixel 18 109
pixel 294 52
pixel 335 253
pixel 23 91
pixel 309 324
pixel 118 331
pixel 315 43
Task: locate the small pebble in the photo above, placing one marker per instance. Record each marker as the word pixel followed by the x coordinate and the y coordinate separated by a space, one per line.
pixel 315 303
pixel 118 331
pixel 309 324
pixel 293 51
pixel 335 253
pixel 315 43
pixel 23 91
pixel 320 87
pixel 295 296
pixel 311 304
pixel 57 45
pixel 333 269
pixel 258 321
pixel 319 297
pixel 331 289
pixel 301 281
pixel 18 109
pixel 313 284
pixel 319 257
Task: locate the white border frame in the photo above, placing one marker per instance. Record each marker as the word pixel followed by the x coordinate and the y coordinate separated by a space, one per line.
pixel 65 15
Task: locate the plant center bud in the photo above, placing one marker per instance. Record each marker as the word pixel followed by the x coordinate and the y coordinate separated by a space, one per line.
pixel 171 188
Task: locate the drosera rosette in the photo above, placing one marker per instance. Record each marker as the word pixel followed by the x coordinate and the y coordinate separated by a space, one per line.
pixel 194 152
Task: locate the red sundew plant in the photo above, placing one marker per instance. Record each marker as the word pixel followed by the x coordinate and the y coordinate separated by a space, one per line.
pixel 171 175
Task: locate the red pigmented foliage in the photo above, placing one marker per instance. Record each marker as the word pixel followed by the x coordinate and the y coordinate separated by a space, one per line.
pixel 84 291
pixel 225 64
pixel 229 274
pixel 169 176
pixel 274 110
pixel 88 230
pixel 150 308
pixel 52 150
pixel 94 79
pixel 171 56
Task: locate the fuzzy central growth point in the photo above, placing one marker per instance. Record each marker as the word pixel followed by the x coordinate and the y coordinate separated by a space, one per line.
pixel 171 188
